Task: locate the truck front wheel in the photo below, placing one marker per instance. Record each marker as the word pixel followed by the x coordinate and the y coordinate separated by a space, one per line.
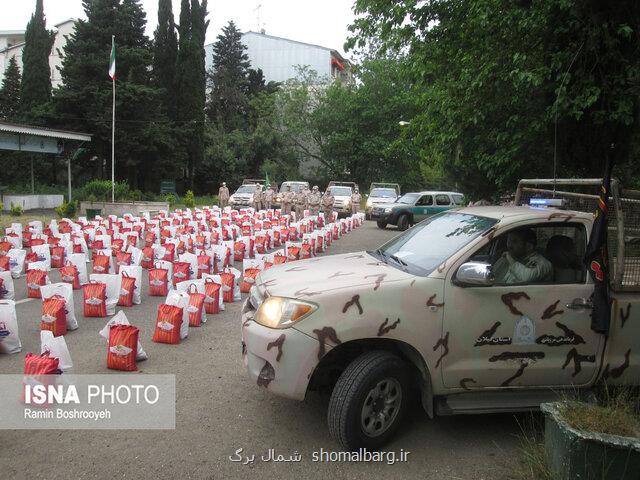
pixel 403 222
pixel 382 224
pixel 368 401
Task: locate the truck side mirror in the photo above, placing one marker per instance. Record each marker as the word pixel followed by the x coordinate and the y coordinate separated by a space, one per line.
pixel 474 274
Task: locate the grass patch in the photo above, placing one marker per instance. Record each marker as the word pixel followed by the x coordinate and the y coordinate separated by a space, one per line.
pixel 531 460
pixel 617 413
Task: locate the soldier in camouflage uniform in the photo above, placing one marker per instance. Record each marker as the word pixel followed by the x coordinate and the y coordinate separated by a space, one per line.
pixel 355 201
pixel 257 198
pixel 314 200
pixel 287 200
pixel 267 198
pixel 327 205
pixel 300 200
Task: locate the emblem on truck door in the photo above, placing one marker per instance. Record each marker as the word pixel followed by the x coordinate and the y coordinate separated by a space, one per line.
pixel 524 332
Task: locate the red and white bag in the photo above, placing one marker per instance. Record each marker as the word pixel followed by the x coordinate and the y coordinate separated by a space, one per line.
pixel 168 324
pixel 69 274
pixel 16 261
pixel 123 259
pixel 112 281
pixel 213 302
pixel 134 271
pixel 101 263
pixel 196 306
pixel 9 338
pixel 181 300
pixel 56 347
pixel 230 285
pixel 204 264
pixel 65 291
pixel 251 268
pixel 121 319
pixel 147 257
pixel 80 261
pixel 54 318
pixel 57 257
pixel 36 279
pixel 95 299
pixel 181 272
pixel 123 342
pixel 158 282
pixel 127 287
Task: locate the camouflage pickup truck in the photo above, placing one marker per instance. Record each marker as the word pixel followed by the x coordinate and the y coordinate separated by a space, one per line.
pixel 412 208
pixel 480 309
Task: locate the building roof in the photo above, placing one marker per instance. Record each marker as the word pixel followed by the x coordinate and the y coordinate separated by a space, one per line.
pixel 43 132
pixel 332 50
pixel 6 33
pixel 74 20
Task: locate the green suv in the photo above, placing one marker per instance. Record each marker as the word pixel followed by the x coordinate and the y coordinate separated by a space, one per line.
pixel 412 208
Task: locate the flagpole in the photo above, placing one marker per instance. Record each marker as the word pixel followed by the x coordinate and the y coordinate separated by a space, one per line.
pixel 113 133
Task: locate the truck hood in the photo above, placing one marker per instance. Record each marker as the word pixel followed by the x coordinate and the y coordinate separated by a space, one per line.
pixel 307 278
pixel 391 204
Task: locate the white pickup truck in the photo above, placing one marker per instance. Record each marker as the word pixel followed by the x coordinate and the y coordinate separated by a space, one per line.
pixel 481 309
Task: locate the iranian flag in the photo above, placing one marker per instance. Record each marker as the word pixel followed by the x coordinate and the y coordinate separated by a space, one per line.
pixel 112 61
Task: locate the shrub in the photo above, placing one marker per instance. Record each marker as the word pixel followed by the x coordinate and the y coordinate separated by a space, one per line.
pixel 189 200
pixel 67 210
pixel 101 191
pixel 16 211
pixel 171 199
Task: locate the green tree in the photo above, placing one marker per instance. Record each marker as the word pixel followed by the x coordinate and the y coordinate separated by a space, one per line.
pixel 10 92
pixel 497 74
pixel 229 81
pixel 36 76
pixel 165 56
pixel 84 101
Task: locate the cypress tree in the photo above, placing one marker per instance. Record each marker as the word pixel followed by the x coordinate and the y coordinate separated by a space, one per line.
pixel 10 92
pixel 36 76
pixel 228 103
pixel 165 56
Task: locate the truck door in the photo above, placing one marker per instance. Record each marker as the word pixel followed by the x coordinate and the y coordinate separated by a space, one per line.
pixel 517 333
pixel 422 208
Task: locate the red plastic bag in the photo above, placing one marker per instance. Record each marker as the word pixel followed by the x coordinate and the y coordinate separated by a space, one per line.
pixel 116 246
pixel 212 296
pixel 204 264
pixel 248 279
pixel 147 257
pixel 101 263
pixel 305 251
pixel 123 344
pixel 238 251
pixel 4 263
pixel 41 364
pixel 95 299
pixel 169 252
pixel 228 280
pixel 279 259
pixel 123 259
pixel 127 286
pixel 261 242
pixel 5 247
pixel 57 257
pixel 196 305
pixel 69 274
pixel 35 279
pixel 181 272
pixel 168 323
pixel 293 253
pixel 158 282
pixel 54 316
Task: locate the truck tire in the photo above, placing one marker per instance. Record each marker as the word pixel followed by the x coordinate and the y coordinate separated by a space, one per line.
pixel 368 401
pixel 403 222
pixel 381 224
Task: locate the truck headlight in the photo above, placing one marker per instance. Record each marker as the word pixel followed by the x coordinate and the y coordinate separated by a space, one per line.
pixel 369 203
pixel 388 210
pixel 281 312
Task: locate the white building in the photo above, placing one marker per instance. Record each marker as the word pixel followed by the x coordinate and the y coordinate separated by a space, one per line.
pixel 12 44
pixel 278 58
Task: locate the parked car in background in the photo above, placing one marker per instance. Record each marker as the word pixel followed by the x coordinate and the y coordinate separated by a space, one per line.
pixel 341 192
pixel 414 207
pixel 243 196
pixel 296 186
pixel 381 193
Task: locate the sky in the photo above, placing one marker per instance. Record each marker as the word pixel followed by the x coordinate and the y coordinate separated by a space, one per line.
pixel 321 22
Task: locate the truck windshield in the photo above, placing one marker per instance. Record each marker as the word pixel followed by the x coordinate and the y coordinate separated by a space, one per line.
pixel 295 187
pixel 246 189
pixel 341 191
pixel 426 246
pixel 383 193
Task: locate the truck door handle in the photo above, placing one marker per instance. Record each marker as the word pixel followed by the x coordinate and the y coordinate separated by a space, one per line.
pixel 579 303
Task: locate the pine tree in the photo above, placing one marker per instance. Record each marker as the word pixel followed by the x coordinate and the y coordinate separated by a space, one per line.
pixel 84 101
pixel 165 56
pixel 228 102
pixel 35 90
pixel 10 92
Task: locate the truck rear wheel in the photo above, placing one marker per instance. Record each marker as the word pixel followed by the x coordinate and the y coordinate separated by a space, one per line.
pixel 381 224
pixel 403 223
pixel 368 401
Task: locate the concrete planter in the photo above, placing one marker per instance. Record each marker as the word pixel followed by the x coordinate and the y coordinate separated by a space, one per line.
pixel 576 455
pixel 31 202
pixel 120 208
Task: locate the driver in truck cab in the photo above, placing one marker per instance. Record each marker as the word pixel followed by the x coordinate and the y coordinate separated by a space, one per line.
pixel 521 263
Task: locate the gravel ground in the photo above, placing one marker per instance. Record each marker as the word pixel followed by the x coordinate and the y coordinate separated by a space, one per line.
pixel 219 410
